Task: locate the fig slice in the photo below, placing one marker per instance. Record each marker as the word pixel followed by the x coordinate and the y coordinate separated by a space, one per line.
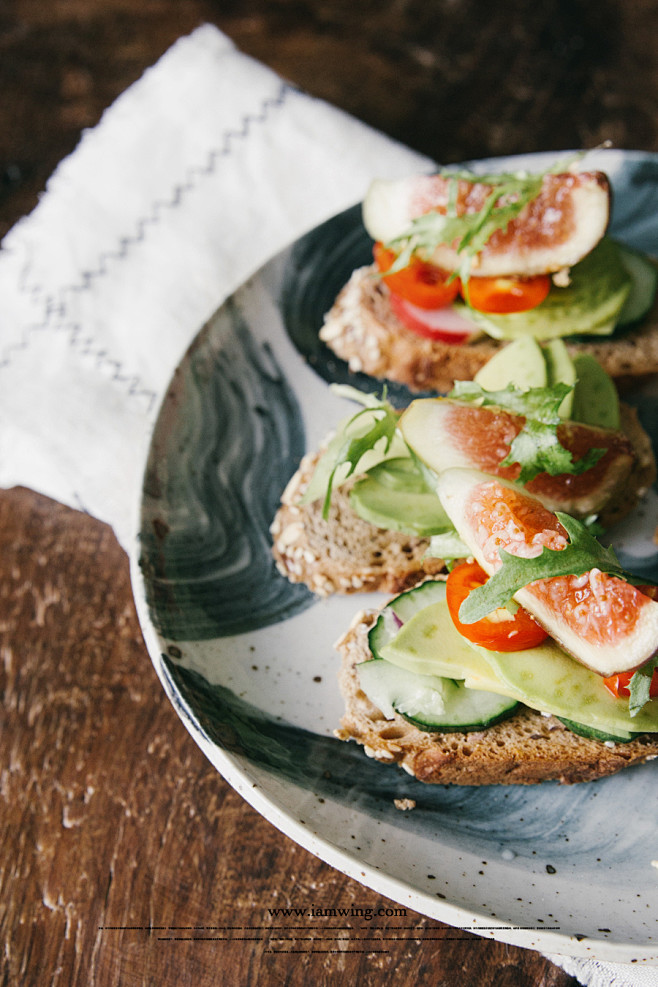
pixel 601 620
pixel 555 230
pixel 445 434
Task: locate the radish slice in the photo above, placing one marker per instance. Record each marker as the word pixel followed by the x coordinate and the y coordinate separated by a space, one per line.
pixel 445 324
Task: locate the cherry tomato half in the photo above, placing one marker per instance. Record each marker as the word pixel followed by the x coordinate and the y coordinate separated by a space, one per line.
pixel 503 296
pixel 421 284
pixel 498 631
pixel 618 684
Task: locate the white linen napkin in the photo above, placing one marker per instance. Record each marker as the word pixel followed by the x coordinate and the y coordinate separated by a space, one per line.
pixel 201 171
pixel 595 973
pixel 196 176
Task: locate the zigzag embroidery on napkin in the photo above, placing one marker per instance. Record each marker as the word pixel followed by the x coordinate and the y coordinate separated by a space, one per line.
pixel 57 306
pixel 107 365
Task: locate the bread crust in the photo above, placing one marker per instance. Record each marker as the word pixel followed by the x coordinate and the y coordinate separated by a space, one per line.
pixel 343 553
pixel 643 472
pixel 526 749
pixel 361 329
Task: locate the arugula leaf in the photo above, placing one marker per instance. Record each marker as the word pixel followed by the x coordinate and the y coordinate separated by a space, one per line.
pixel 535 402
pixel 639 687
pixel 351 448
pixel 332 462
pixel 536 448
pixel 582 553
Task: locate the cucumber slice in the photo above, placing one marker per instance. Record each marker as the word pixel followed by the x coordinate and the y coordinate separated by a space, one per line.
pixel 431 703
pixel 401 609
pixel 582 730
pixel 644 281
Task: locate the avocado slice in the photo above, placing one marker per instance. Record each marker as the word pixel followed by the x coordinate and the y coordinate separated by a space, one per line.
pixel 596 401
pixel 394 495
pixel 521 362
pixel 560 370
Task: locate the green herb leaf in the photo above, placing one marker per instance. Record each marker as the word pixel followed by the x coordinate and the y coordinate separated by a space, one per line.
pixel 639 687
pixel 581 554
pixel 351 448
pixel 330 470
pixel 536 448
pixel 534 402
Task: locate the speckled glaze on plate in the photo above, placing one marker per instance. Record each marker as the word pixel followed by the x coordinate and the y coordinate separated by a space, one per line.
pixel 248 661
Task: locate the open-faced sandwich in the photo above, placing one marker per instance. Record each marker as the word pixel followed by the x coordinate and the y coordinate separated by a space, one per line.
pixel 362 513
pixel 524 652
pixel 464 264
pixel 534 660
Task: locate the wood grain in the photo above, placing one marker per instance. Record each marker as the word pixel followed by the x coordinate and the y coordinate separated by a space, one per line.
pixel 455 78
pixel 126 859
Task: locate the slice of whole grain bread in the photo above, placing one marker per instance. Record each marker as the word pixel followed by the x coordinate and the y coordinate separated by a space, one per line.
pixel 343 554
pixel 525 749
pixel 361 329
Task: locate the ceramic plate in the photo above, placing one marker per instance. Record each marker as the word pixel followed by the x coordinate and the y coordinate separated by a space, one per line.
pixel 248 660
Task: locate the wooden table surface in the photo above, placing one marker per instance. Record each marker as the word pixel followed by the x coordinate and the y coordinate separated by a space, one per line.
pixel 126 859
